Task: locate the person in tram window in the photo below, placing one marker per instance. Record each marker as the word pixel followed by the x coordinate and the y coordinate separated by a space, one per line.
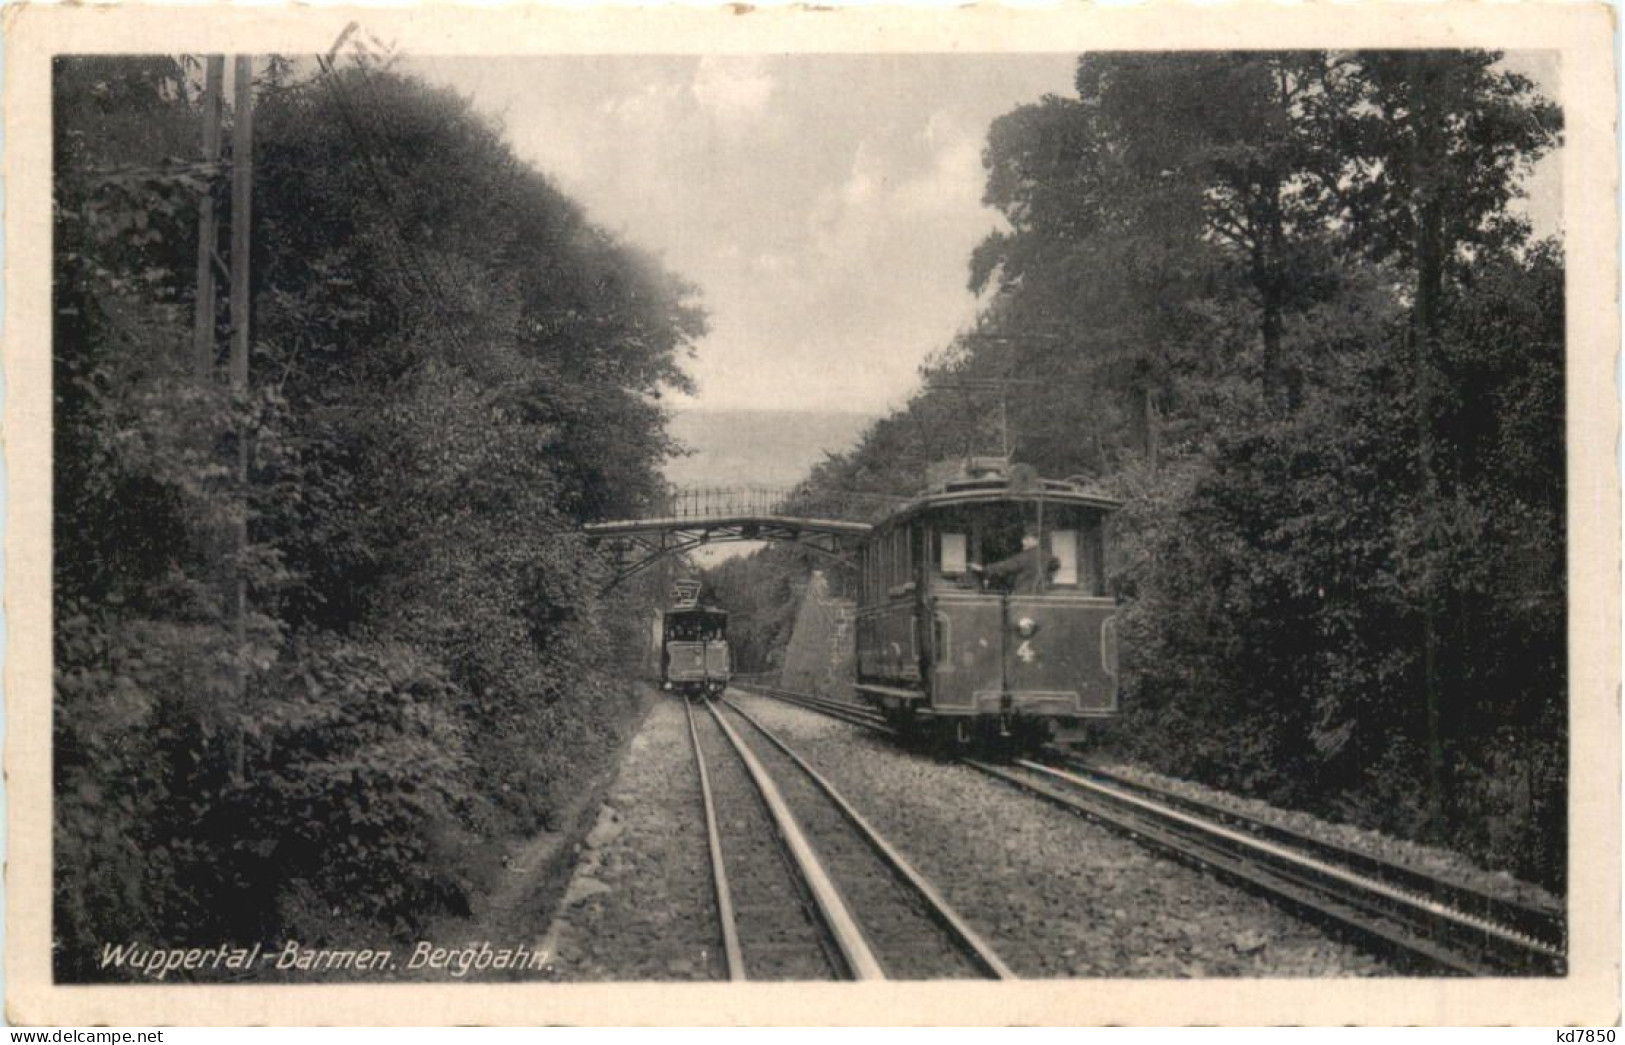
pixel 1019 571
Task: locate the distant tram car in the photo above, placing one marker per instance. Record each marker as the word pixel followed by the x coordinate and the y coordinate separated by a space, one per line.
pixel 983 610
pixel 694 658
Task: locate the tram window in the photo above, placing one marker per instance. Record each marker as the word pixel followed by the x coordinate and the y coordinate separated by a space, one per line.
pixel 953 554
pixel 1063 547
pixel 1002 528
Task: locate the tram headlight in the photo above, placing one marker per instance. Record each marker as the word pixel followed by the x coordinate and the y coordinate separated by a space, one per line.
pixel 1026 627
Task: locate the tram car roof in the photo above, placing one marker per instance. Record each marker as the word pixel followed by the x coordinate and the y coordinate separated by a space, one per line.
pixel 986 480
pixel 697 611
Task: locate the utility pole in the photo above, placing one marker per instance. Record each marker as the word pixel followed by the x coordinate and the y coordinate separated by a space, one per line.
pixel 242 202
pixel 996 385
pixel 203 316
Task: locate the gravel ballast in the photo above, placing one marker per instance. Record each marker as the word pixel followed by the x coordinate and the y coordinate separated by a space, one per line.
pixel 1054 894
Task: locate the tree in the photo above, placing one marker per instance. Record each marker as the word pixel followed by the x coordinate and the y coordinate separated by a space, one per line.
pixel 1278 303
pixel 1167 179
pixel 1438 141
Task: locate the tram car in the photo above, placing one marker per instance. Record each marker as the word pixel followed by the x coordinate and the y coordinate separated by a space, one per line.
pixel 983 611
pixel 694 657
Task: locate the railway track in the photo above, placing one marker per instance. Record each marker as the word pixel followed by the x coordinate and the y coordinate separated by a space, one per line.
pixel 1411 917
pixel 1478 917
pixel 778 830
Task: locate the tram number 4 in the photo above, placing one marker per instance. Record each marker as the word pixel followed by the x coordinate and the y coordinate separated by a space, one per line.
pixel 1026 652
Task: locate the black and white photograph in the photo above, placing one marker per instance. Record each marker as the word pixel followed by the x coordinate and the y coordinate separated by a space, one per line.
pixel 1102 516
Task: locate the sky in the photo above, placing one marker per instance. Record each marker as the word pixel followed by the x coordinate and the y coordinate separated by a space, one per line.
pixel 825 205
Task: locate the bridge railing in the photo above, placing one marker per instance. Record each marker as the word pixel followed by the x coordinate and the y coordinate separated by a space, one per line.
pixel 711 502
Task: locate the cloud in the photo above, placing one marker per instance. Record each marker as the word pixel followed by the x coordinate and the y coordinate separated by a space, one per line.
pixel 953 182
pixel 732 89
pixel 773 263
pixel 653 103
pixel 905 195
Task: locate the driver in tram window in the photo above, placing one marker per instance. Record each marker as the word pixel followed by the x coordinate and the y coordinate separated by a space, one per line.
pixel 1019 572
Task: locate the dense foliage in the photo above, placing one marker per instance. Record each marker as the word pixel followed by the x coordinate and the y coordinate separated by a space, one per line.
pixel 450 369
pixel 761 594
pixel 1279 303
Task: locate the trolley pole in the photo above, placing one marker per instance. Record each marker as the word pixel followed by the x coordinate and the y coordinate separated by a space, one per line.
pixel 1004 422
pixel 242 203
